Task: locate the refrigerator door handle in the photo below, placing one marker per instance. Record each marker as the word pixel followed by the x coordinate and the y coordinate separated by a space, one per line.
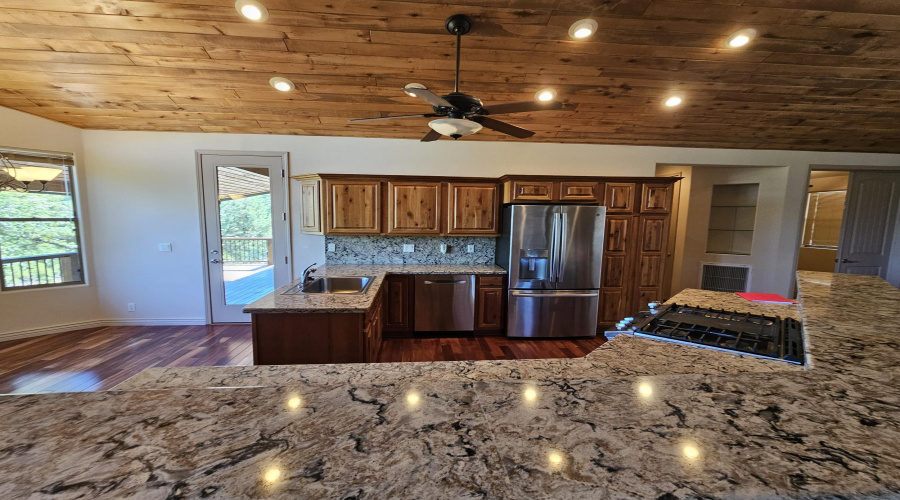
pixel 545 295
pixel 554 248
pixel 561 252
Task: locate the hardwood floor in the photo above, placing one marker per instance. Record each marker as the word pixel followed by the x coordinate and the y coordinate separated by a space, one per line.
pixel 99 358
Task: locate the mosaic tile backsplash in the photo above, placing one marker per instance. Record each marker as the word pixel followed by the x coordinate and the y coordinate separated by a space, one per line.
pixel 389 250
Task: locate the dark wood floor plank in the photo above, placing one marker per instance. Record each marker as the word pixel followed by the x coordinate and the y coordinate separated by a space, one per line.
pixel 99 358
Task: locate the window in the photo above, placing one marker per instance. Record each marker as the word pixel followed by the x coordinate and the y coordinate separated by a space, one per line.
pixel 39 240
pixel 824 211
pixel 732 217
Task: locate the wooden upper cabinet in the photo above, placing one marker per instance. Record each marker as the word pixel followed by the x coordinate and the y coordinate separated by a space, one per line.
pixel 353 207
pixel 620 197
pixel 575 191
pixel 311 206
pixel 414 208
pixel 473 208
pixel 521 190
pixel 656 198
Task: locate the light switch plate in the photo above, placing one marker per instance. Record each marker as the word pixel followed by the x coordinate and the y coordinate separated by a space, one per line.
pixel 165 247
pixel 470 248
pixel 331 247
pixel 408 248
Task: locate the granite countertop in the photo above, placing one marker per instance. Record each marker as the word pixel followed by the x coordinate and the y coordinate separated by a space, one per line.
pixel 276 302
pixel 637 418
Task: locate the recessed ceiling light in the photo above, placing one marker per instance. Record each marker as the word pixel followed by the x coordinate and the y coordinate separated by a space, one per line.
pixel 545 95
pixel 672 101
pixel 740 38
pixel 583 28
pixel 282 84
pixel 252 10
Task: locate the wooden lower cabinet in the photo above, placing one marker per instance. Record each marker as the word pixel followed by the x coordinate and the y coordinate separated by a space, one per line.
pixel 398 305
pixel 490 301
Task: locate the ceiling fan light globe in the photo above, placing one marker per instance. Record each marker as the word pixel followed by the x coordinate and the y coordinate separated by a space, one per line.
pixel 454 127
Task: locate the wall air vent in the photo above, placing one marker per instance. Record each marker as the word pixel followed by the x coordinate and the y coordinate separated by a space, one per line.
pixel 724 278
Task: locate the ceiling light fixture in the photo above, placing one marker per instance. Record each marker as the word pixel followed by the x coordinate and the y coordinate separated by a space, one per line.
pixel 740 38
pixel 672 101
pixel 252 10
pixel 545 95
pixel 583 28
pixel 282 84
pixel 410 89
pixel 454 127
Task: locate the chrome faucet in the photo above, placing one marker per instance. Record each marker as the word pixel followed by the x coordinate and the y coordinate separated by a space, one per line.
pixel 306 272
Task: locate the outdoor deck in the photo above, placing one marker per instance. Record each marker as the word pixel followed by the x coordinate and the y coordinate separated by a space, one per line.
pixel 250 288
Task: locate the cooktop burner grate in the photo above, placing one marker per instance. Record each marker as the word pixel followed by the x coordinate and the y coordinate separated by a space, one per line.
pixel 753 334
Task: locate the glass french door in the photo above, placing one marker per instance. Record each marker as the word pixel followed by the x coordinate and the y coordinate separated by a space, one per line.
pixel 245 214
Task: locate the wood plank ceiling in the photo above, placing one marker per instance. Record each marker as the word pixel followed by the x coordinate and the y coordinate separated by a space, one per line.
pixel 822 75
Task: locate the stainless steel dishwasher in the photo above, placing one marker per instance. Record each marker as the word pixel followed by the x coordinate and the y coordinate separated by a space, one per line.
pixel 445 302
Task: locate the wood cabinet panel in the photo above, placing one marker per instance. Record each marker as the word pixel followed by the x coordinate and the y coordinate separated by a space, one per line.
pixel 614 269
pixel 398 305
pixel 353 207
pixel 531 191
pixel 617 236
pixel 613 305
pixel 490 280
pixel 473 208
pixel 654 234
pixel 656 198
pixel 489 310
pixel 283 339
pixel 311 206
pixel 620 197
pixel 414 208
pixel 574 191
pixel 651 270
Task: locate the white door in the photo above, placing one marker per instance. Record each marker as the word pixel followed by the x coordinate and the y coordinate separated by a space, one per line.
pixel 247 235
pixel 868 227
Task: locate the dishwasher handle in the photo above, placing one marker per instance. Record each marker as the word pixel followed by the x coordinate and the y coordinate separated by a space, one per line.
pixel 445 282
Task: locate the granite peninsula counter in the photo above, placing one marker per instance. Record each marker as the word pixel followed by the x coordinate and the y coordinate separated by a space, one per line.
pixel 636 418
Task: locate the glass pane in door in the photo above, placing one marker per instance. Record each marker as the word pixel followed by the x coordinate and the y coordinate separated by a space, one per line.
pixel 245 225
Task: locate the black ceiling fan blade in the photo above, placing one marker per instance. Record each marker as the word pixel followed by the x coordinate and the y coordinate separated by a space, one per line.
pixel 432 135
pixel 522 107
pixel 428 96
pixel 504 127
pixel 429 115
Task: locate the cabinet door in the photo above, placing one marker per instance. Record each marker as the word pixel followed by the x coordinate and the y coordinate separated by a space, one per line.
pixel 531 191
pixel 414 208
pixel 616 282
pixel 579 191
pixel 397 310
pixel 656 198
pixel 489 310
pixel 473 208
pixel 650 275
pixel 353 207
pixel 620 197
pixel 311 206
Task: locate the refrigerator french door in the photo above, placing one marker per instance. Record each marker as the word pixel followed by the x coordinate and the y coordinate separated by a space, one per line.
pixel 552 254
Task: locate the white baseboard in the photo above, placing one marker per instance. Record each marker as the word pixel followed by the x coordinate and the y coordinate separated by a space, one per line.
pixel 81 325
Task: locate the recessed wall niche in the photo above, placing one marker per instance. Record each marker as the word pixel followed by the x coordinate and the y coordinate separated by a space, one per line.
pixel 732 217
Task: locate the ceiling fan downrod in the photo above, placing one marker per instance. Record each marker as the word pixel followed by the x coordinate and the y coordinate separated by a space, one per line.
pixel 458 25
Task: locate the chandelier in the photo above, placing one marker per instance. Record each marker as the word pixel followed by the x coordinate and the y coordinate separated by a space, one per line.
pixel 20 179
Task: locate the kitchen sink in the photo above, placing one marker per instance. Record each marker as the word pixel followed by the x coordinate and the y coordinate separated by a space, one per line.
pixel 334 285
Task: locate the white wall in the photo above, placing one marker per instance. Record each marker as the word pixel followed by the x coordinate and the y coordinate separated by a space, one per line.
pixel 143 191
pixel 23 311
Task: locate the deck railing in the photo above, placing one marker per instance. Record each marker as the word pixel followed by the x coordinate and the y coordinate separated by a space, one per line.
pixel 247 250
pixel 36 270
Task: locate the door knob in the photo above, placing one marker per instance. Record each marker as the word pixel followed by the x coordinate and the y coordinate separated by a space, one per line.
pixel 847 261
pixel 215 261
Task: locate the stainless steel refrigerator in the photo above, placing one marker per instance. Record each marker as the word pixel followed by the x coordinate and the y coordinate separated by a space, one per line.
pixel 553 256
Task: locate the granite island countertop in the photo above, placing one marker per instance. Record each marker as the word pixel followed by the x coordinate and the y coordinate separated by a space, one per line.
pixel 277 302
pixel 603 426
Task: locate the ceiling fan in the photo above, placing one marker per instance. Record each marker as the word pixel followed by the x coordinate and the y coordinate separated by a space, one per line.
pixel 460 114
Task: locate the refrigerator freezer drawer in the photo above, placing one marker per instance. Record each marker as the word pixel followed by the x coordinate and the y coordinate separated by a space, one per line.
pixel 444 303
pixel 553 313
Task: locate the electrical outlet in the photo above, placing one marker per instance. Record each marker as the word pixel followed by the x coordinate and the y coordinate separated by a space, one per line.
pixel 470 248
pixel 131 307
pixel 409 248
pixel 331 247
pixel 444 248
pixel 165 247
